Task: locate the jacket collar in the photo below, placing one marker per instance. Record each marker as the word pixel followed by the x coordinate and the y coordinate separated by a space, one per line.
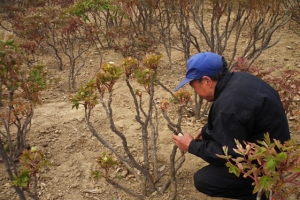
pixel 222 83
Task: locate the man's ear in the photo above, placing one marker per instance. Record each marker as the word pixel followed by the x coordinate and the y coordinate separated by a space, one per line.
pixel 207 80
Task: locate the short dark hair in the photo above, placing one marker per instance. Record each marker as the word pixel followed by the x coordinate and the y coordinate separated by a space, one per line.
pixel 220 75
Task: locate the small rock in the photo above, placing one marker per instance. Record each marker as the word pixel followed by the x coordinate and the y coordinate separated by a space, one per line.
pixel 141 159
pixel 45 144
pixel 55 179
pixel 7 185
pixel 74 186
pixel 154 193
pixel 130 176
pixel 162 168
pixel 48 196
pixel 124 173
pixel 43 185
pixel 289 47
pixel 93 191
pixel 292 118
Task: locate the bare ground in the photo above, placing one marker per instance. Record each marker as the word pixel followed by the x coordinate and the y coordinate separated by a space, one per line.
pixel 72 149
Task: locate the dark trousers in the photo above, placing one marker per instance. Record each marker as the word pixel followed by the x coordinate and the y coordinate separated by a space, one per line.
pixel 218 182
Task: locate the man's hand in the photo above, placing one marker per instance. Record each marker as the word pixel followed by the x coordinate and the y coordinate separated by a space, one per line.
pixel 198 135
pixel 183 142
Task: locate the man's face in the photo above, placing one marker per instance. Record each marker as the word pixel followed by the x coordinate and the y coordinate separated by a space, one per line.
pixel 205 88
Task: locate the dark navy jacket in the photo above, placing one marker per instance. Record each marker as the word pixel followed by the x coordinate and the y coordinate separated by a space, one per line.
pixel 245 108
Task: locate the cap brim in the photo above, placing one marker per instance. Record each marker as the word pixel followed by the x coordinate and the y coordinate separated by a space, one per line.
pixel 182 83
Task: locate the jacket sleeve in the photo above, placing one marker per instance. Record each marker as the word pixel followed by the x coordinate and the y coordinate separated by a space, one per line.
pixel 207 150
pixel 226 128
pixel 205 133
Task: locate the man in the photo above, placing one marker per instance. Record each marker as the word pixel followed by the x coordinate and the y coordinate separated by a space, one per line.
pixel 244 108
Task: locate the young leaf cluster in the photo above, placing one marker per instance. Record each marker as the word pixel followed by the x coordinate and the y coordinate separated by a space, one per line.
pixel 86 96
pixel 82 7
pixel 181 97
pixel 29 80
pixel 146 74
pixel 108 75
pixel 105 163
pixel 184 96
pixel 31 162
pixel 270 164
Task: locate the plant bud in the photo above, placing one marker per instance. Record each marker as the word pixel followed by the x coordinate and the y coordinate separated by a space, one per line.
pixel 33 149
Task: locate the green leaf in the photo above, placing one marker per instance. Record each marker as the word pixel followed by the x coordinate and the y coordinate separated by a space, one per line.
pixel 266 182
pixel 239 159
pixel 238 151
pixel 278 144
pixel 252 170
pixel 295 170
pixel 270 165
pixel 9 42
pixel 2 53
pixel 24 180
pixel 256 189
pixel 75 104
pixel 233 169
pixel 225 150
pixel 21 180
pixel 267 138
pixel 261 150
pixel 282 156
pixel 223 157
pixel 96 174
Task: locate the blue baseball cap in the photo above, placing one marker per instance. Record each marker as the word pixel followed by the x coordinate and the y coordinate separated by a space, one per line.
pixel 201 64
